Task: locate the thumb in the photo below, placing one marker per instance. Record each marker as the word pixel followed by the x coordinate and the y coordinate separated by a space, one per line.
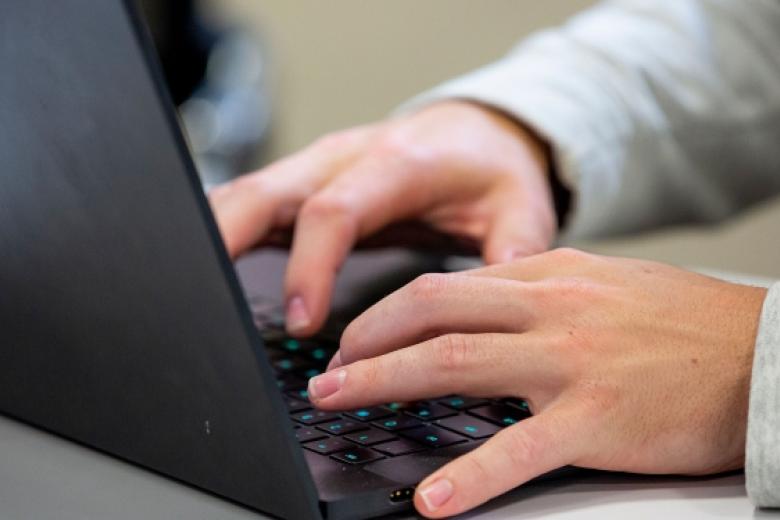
pixel 519 228
pixel 512 457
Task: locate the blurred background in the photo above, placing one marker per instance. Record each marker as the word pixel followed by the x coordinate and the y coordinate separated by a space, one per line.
pixel 258 80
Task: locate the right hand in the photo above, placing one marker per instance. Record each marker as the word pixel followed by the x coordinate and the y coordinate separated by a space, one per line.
pixel 456 167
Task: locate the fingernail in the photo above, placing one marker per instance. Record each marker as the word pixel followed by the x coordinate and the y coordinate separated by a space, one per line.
pixel 436 495
pixel 297 316
pixel 335 361
pixel 327 384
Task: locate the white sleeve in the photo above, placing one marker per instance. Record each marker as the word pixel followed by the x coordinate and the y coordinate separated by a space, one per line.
pixel 762 458
pixel 658 111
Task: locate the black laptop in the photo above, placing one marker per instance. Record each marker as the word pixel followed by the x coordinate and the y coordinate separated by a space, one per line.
pixel 123 325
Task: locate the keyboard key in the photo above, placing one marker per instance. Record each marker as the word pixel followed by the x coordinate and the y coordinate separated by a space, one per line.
pixel 294 405
pixel 262 305
pixel 369 414
pixel 274 355
pixel 457 402
pixel 314 417
pixel 500 414
pixel 342 427
pixel 321 354
pixel 469 426
pixel 357 456
pixel 328 446
pixel 429 412
pixel 292 364
pixel 272 337
pixel 400 422
pixel 291 345
pixel 399 447
pixel 275 320
pixel 370 437
pixel 517 403
pixel 306 434
pixel 291 382
pixel 432 436
pixel 302 394
pixel 308 373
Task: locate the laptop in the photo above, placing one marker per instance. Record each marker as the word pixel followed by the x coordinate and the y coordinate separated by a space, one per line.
pixel 123 324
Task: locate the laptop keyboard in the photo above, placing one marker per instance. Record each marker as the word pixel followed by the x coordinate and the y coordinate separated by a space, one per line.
pixel 368 434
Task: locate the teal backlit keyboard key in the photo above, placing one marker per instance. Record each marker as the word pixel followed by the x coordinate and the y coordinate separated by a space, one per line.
pixel 370 437
pixel 432 436
pixel 328 446
pixel 357 456
pixel 469 426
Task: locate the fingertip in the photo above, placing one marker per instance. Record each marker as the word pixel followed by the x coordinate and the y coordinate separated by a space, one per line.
pixel 305 313
pixel 232 248
pixel 297 314
pixel 431 497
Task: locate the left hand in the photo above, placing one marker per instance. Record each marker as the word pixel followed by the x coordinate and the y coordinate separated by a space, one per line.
pixel 627 365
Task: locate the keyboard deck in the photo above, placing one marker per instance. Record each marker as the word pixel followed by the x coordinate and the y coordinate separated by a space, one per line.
pixel 369 434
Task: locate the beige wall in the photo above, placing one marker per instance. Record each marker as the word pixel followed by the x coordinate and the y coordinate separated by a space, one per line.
pixel 342 62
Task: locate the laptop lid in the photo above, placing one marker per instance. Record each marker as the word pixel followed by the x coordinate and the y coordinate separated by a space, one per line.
pixel 122 325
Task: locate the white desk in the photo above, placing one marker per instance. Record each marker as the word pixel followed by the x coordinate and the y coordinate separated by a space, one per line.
pixel 45 477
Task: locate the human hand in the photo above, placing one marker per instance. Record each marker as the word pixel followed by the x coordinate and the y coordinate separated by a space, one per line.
pixel 456 167
pixel 627 365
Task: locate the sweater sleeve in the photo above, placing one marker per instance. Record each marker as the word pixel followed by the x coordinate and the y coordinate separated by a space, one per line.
pixel 762 462
pixel 658 111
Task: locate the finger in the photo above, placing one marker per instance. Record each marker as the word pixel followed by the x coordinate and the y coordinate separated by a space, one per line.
pixel 371 194
pixel 513 456
pixel 248 208
pixel 434 304
pixel 521 226
pixel 486 365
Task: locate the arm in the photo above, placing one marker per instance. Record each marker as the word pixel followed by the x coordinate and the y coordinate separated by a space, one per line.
pixel 658 111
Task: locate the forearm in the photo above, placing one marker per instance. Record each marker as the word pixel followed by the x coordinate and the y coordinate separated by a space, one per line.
pixel 657 111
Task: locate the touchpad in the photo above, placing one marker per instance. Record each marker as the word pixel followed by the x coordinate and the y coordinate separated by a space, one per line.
pixel 411 469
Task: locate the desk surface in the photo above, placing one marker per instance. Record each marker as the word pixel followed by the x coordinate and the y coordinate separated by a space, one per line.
pixel 43 476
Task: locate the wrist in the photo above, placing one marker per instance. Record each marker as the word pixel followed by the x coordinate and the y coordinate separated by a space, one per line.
pixel 539 150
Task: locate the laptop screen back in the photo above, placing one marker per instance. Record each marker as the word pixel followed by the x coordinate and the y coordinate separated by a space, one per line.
pixel 121 323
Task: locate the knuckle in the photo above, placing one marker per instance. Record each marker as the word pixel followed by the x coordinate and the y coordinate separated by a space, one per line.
pixel 332 143
pixel 398 146
pixel 451 351
pixel 429 287
pixel 571 343
pixel 328 206
pixel 569 255
pixel 571 352
pixel 393 143
pixel 572 289
pixel 258 182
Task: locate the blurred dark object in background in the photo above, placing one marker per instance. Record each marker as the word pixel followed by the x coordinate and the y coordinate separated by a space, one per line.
pixel 216 73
